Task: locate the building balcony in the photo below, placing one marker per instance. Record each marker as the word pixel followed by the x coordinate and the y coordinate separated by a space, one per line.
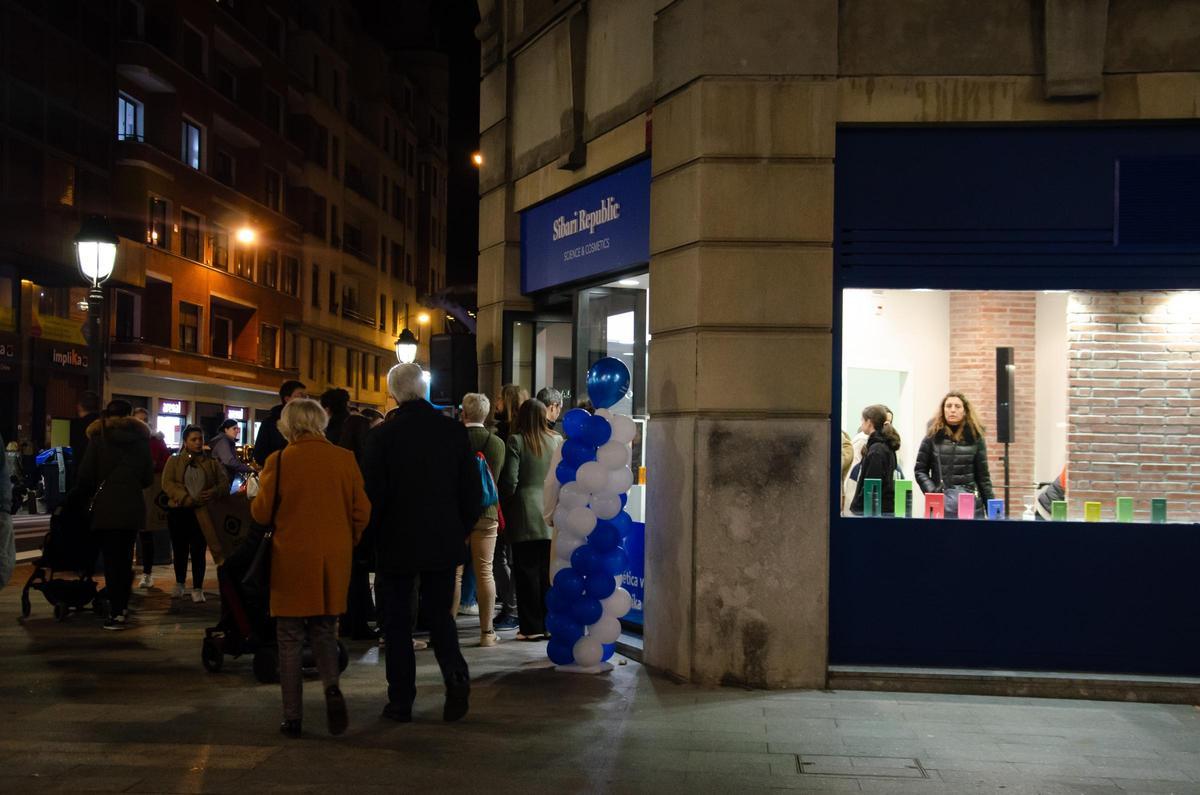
pixel 133 355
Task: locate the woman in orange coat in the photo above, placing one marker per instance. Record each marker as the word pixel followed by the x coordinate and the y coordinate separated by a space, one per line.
pixel 322 511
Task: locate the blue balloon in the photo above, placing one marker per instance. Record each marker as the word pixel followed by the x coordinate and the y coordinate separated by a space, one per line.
pixel 595 433
pixel 556 601
pixel 587 611
pixel 574 421
pixel 563 627
pixel 585 561
pixel 615 562
pixel 600 586
pixel 560 652
pixel 565 473
pixel 576 452
pixel 605 538
pixel 623 523
pixel 607 382
pixel 569 583
pixel 609 650
pixel 624 500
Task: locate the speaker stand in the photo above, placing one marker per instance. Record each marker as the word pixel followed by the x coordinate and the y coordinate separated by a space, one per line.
pixel 1006 492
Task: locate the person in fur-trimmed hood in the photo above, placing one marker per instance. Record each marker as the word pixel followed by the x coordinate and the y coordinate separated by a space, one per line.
pixel 111 477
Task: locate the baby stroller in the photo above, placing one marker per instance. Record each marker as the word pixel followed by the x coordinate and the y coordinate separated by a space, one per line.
pixel 246 626
pixel 69 546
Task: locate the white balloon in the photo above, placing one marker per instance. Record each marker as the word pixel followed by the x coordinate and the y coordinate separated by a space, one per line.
pixel 572 496
pixel 558 565
pixel 560 516
pixel 623 429
pixel 588 651
pixel 606 630
pixel 567 544
pixel 619 480
pixel 592 476
pixel 613 455
pixel 606 506
pixel 581 521
pixel 605 413
pixel 618 604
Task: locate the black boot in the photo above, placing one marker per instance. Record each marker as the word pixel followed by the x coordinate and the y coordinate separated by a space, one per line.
pixel 457 693
pixel 335 710
pixel 290 728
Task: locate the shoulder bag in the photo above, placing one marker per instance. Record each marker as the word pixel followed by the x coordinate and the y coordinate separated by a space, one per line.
pixel 258 573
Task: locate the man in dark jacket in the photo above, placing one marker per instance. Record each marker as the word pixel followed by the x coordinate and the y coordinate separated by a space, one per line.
pixel 426 495
pixel 269 438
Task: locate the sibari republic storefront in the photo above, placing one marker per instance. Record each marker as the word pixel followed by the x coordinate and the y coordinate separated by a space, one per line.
pixel 584 266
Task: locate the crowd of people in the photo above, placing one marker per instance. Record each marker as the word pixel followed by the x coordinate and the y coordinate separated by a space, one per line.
pixel 951 460
pixel 374 520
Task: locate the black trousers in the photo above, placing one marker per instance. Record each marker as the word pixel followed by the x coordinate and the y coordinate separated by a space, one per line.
pixel 359 607
pixel 186 539
pixel 531 571
pixel 436 589
pixel 117 546
pixel 147 539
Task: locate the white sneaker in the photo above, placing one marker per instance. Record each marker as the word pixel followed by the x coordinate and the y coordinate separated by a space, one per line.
pixel 179 591
pixel 197 595
pixel 469 610
pixel 147 581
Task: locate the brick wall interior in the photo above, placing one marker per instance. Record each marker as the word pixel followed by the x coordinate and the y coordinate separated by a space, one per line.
pixel 980 322
pixel 1134 401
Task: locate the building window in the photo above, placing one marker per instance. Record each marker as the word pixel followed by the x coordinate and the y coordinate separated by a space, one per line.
pixel 364 362
pixel 291 276
pixel 314 286
pixel 221 337
pixel 129 119
pixel 333 304
pixel 270 269
pixel 395 317
pixel 273 110
pixel 317 216
pixel 335 236
pixel 397 260
pixel 377 368
pixel 220 240
pixel 328 362
pixel 271 190
pixel 128 316
pixel 408 268
pixel 189 327
pixel 243 262
pixel 192 137
pixel 397 203
pixel 383 252
pixel 312 358
pixel 351 370
pixel 225 168
pixel 268 341
pixel 190 235
pixel 132 20
pixel 335 159
pixel 195 57
pixel 337 90
pixel 159 233
pixel 383 313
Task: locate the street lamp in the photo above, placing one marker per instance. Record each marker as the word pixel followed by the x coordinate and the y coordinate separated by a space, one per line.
pixel 477 159
pixel 96 253
pixel 406 347
pixel 246 236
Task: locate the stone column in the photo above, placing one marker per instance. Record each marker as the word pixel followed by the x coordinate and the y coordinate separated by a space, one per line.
pixel 740 366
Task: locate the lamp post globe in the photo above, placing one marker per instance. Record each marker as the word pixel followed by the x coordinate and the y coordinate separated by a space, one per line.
pixel 406 347
pixel 96 249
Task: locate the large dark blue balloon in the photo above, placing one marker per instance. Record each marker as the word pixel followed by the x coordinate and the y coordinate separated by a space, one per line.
pixel 560 652
pixel 576 451
pixel 574 421
pixel 565 473
pixel 557 601
pixel 596 432
pixel 623 523
pixel 609 650
pixel 607 382
pixel 605 538
pixel 600 586
pixel 615 563
pixel 569 583
pixel 587 611
pixel 585 561
pixel 563 627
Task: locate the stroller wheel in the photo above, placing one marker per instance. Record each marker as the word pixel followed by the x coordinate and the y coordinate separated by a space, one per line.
pixel 211 656
pixel 343 657
pixel 61 612
pixel 266 665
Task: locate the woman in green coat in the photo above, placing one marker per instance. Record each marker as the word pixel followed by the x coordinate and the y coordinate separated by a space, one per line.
pixel 526 462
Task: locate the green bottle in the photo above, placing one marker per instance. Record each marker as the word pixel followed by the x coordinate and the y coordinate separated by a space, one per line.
pixel 1058 511
pixel 904 498
pixel 1124 509
pixel 1158 511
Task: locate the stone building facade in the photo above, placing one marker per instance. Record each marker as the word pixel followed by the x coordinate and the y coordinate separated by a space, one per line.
pixel 737 103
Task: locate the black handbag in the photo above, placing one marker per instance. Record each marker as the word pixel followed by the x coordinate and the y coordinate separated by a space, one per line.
pixel 258 573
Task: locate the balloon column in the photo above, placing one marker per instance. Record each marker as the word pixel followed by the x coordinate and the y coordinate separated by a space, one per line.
pixel 585 601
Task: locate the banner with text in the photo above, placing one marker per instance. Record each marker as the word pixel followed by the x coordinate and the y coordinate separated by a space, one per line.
pixel 602 227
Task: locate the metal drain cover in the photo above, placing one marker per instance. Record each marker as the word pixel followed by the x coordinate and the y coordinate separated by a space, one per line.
pixel 861 766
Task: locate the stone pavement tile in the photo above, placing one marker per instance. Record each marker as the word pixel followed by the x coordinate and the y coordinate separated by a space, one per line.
pixel 693 741
pixel 722 783
pixel 735 762
pixel 1083 769
pixel 141 754
pixel 972 765
pixel 1142 786
pixel 863 727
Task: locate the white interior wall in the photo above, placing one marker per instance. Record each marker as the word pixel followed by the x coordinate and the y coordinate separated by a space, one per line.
pixel 1050 450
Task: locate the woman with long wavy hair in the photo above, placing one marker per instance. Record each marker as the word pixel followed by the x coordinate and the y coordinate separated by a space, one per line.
pixel 952 459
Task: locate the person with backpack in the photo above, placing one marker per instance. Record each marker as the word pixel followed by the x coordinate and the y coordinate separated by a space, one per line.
pixel 475 408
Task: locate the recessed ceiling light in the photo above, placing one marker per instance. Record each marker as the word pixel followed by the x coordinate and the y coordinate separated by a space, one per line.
pixel 629 282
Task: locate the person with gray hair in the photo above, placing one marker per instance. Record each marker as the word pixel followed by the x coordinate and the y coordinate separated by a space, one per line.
pixel 475 409
pixel 552 399
pixel 426 497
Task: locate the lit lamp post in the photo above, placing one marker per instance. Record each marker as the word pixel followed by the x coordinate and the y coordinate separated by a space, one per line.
pixel 96 253
pixel 406 347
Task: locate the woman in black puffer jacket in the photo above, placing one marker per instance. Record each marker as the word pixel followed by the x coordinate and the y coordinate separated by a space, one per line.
pixel 953 456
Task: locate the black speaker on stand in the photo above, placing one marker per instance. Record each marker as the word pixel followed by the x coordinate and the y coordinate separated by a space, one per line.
pixel 1006 376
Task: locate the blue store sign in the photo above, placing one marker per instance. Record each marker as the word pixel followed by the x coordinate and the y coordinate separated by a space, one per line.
pixel 600 228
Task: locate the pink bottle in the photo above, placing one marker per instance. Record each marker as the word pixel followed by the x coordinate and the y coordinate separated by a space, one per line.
pixel 966 506
pixel 935 506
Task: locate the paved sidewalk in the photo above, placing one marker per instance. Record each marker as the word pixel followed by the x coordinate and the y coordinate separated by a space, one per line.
pixel 82 709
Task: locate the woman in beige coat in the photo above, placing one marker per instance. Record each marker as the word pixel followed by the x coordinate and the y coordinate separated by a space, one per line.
pixel 322 511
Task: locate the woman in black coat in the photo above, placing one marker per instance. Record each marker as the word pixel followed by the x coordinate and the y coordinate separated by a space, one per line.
pixel 953 456
pixel 114 471
pixel 878 461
